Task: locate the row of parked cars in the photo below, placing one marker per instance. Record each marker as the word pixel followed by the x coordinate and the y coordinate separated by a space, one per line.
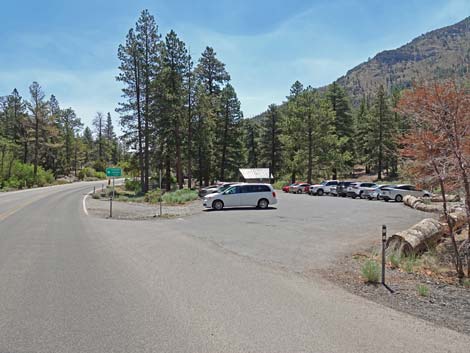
pixel 363 190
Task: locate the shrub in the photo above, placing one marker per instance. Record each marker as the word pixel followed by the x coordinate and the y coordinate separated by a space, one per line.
pixel 153 196
pixel 409 264
pixel 132 185
pixel 371 271
pixel 100 175
pixel 279 184
pixel 86 172
pixel 395 260
pixel 423 290
pixel 22 175
pixel 180 196
pixel 466 283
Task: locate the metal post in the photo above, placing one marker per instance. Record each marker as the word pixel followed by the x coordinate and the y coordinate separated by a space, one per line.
pixel 111 207
pixel 113 186
pixel 94 189
pixel 384 240
pixel 102 187
pixel 160 192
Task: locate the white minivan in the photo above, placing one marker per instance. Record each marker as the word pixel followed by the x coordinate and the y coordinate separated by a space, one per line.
pixel 243 194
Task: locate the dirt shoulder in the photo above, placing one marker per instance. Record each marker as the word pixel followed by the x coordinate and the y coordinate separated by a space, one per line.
pixel 446 303
pixel 140 211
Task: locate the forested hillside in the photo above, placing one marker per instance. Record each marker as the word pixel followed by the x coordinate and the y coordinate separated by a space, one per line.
pixel 40 141
pixel 438 55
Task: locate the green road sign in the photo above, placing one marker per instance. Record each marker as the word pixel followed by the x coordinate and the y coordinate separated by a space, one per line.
pixel 113 172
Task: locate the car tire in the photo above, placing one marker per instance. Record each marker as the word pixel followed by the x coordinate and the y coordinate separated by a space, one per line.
pixel 263 204
pixel 398 198
pixel 360 194
pixel 320 192
pixel 217 205
pixel 299 191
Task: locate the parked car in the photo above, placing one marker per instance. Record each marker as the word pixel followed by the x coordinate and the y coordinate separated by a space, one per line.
pixel 374 193
pixel 399 191
pixel 341 188
pixel 322 188
pixel 299 188
pixel 357 189
pixel 285 188
pixel 333 191
pixel 215 188
pixel 242 194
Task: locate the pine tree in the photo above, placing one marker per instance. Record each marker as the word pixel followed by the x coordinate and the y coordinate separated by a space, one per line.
pixel 210 75
pixel 229 139
pixel 344 128
pixel 270 140
pixel 39 110
pixel 148 40
pixel 98 124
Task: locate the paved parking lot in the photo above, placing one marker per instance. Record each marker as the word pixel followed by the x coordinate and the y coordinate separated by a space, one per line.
pixel 302 232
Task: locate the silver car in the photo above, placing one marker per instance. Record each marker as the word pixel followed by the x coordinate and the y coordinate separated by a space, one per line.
pixel 399 191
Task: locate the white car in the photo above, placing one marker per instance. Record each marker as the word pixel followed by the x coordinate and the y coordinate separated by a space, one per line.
pixel 356 189
pixel 398 192
pixel 243 194
pixel 323 188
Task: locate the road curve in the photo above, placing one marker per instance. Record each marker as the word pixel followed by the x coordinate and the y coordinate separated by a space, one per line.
pixel 73 283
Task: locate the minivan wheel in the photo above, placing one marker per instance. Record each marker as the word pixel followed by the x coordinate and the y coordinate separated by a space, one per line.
pixel 398 198
pixel 320 192
pixel 263 203
pixel 217 205
pixel 299 191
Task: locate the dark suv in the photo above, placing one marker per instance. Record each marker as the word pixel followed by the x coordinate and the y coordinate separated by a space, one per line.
pixel 341 188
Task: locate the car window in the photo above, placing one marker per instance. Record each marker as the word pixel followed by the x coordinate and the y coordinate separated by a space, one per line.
pixel 233 190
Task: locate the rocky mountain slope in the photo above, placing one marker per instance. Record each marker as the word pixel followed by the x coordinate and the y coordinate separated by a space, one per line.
pixel 440 54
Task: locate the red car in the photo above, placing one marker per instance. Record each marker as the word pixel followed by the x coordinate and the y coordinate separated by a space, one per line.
pixel 286 187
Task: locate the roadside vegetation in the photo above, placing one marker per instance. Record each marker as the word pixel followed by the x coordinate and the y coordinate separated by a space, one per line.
pixel 130 192
pixel 42 143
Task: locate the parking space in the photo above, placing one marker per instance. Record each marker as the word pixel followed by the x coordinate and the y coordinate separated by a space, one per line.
pixel 302 232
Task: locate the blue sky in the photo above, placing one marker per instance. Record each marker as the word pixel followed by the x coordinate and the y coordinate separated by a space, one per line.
pixel 70 47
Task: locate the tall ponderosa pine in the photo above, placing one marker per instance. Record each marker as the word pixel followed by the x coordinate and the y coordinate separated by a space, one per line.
pixel 270 140
pixel 229 138
pixel 210 75
pixel 344 128
pixel 170 96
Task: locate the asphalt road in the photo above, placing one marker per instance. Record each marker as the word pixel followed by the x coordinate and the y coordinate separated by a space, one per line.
pixel 73 283
pixel 302 232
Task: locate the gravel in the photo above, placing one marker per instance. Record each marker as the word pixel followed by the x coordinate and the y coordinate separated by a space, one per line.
pixel 140 211
pixel 447 304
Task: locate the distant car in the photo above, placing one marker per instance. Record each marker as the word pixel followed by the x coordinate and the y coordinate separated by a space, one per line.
pixel 285 188
pixel 341 188
pixel 399 191
pixel 322 188
pixel 242 194
pixel 374 193
pixel 214 188
pixel 357 189
pixel 299 188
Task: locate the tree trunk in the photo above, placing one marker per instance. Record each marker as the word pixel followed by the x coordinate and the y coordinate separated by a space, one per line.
pixel 224 145
pixel 168 173
pixel 310 155
pixel 416 239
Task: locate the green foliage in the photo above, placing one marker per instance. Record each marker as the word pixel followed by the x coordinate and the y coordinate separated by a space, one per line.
pixel 395 260
pixel 278 185
pixel 180 196
pixel 371 271
pixel 153 196
pixel 423 290
pixel 22 175
pixel 409 263
pixel 466 283
pixel 90 173
pixel 132 185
